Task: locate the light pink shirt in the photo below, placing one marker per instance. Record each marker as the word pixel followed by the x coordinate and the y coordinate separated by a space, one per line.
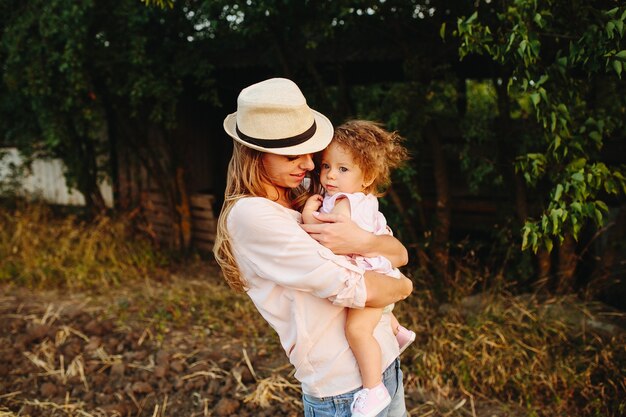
pixel 291 278
pixel 364 212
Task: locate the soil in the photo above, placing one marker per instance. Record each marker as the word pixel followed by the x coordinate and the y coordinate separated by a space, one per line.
pixel 65 353
pixel 61 355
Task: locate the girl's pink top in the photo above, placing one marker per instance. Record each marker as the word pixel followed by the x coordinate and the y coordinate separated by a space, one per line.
pixel 301 288
pixel 364 212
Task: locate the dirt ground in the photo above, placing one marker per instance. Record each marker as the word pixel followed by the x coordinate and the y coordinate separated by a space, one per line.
pixel 60 354
pixel 67 353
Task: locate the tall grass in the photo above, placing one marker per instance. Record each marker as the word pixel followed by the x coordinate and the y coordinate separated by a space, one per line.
pixel 547 356
pixel 39 249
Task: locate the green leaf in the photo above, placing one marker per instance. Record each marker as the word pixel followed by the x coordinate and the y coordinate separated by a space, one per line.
pixel 617 66
pixel 535 98
pixel 558 192
pixel 621 54
pixel 525 238
pixel 547 242
pixel 610 26
pixel 598 217
pixel 620 27
pixel 595 136
pixel 554 216
pixel 577 164
pixel 442 31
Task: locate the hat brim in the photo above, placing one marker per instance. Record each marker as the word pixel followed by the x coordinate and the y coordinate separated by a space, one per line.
pixel 319 141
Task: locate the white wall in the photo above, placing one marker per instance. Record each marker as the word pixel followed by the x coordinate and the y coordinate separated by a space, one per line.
pixel 45 180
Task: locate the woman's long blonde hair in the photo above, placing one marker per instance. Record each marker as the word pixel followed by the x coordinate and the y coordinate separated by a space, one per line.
pixel 246 178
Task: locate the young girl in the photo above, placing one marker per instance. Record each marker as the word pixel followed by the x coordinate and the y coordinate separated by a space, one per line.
pixel 353 170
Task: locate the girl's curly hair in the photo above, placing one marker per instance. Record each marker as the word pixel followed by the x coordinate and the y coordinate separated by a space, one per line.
pixel 375 150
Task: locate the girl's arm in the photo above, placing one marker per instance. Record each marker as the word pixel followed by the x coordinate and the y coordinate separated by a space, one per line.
pixel 344 237
pixel 312 205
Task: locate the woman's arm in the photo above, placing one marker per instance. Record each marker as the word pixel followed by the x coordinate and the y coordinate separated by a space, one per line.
pixel 383 290
pixel 344 237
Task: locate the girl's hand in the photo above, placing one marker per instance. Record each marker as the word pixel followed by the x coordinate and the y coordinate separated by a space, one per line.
pixel 311 206
pixel 313 203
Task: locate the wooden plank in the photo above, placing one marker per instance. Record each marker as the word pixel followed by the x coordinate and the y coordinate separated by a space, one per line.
pixel 156 217
pixel 202 200
pixel 156 196
pixel 202 224
pixel 207 236
pixel 155 206
pixel 162 229
pixel 203 246
pixel 159 204
pixel 206 215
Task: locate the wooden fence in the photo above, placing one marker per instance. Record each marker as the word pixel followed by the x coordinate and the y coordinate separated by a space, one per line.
pixel 161 223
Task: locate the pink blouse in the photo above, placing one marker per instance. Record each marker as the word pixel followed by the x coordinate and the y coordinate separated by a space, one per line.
pixel 364 212
pixel 301 289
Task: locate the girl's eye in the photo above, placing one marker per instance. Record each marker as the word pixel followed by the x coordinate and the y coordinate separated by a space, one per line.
pixel 343 169
pixel 323 165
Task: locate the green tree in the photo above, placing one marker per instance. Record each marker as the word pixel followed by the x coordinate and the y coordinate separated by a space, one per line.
pixel 564 60
pixel 51 89
pixel 85 80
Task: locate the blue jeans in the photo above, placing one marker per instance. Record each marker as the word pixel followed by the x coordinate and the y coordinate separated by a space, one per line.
pixel 339 405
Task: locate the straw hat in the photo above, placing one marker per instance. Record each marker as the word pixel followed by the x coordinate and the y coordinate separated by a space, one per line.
pixel 272 116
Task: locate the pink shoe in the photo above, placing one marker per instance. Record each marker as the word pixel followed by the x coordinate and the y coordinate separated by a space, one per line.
pixel 404 337
pixel 370 402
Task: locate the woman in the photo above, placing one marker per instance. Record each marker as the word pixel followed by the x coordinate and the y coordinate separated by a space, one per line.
pixel 299 286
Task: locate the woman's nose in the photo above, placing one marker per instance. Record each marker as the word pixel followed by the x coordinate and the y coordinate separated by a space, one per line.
pixel 307 162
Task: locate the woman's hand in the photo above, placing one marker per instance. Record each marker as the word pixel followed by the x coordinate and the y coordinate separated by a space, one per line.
pixel 344 237
pixel 338 233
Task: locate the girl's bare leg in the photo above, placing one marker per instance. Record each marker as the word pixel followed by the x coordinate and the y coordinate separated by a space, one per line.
pixel 360 326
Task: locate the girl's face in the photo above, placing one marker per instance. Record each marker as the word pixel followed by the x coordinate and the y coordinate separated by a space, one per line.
pixel 286 171
pixel 339 172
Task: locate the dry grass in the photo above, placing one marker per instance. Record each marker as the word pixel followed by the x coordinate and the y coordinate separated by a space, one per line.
pixel 40 250
pixel 542 355
pixel 532 356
